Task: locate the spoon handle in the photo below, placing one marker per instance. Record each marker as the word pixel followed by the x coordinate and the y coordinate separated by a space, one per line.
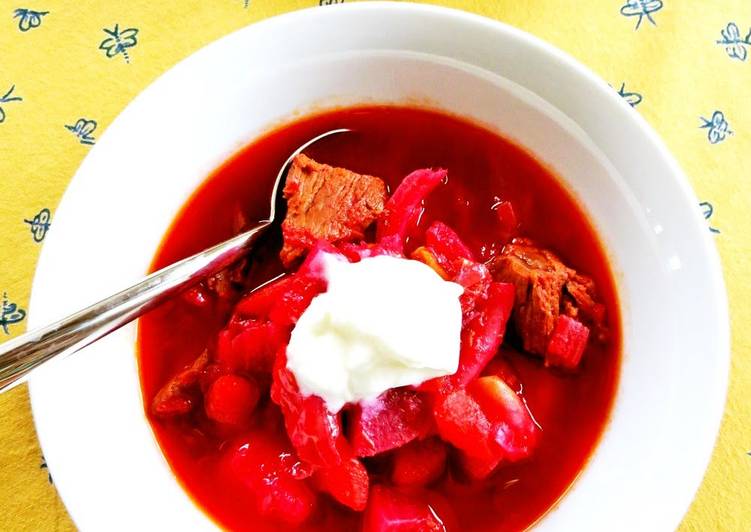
pixel 24 353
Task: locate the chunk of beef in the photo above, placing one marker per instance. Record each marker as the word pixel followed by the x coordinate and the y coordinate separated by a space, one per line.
pixel 178 396
pixel 328 203
pixel 545 288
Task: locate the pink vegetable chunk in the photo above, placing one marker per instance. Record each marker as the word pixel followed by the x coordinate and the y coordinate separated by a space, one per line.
pixel 392 510
pixel 418 463
pixel 446 243
pixel 404 206
pixel 315 432
pixel 567 343
pixel 266 465
pixel 514 430
pixel 481 337
pixel 396 417
pixel 348 483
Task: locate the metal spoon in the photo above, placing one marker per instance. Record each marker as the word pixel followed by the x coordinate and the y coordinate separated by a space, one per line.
pixel 21 355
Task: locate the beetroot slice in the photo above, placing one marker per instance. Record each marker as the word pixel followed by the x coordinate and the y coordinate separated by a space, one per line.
pixel 348 483
pixel 252 349
pixel 446 244
pixel 514 430
pixel 420 462
pixel 404 206
pixel 462 423
pixel 481 338
pixel 395 510
pixel 567 343
pixel 396 417
pixel 262 463
pixel 315 432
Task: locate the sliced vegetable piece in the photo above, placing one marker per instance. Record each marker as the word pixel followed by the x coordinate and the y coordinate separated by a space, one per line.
pixel 315 432
pixel 567 343
pixel 393 510
pixel 252 348
pixel 396 417
pixel 230 400
pixel 419 463
pixel 476 280
pixel 281 301
pixel 259 302
pixel 446 244
pixel 293 302
pixel 462 423
pixel 514 430
pixel 261 463
pixel 404 206
pixel 348 483
pixel 481 337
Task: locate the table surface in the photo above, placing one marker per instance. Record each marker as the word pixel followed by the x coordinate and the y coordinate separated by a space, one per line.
pixel 684 65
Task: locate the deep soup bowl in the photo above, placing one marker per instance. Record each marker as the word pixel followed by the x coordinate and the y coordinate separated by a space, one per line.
pixel 88 409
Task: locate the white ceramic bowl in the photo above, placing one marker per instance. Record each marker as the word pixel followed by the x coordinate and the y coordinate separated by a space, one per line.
pixel 98 444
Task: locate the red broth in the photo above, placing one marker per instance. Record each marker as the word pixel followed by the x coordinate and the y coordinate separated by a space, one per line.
pixel 483 168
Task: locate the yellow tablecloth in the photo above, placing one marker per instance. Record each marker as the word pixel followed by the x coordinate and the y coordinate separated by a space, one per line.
pixel 67 68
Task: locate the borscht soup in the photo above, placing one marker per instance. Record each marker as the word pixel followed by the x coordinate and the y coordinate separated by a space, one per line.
pixel 429 339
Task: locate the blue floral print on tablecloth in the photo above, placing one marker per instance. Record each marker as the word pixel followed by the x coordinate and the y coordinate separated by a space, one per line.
pixel 28 19
pixel 641 9
pixel 708 210
pixel 40 224
pixel 8 98
pixel 119 41
pixel 633 98
pixel 735 46
pixel 83 129
pixel 717 127
pixel 10 314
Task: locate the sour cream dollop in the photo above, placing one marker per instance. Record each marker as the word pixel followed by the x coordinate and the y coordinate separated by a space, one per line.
pixel 383 322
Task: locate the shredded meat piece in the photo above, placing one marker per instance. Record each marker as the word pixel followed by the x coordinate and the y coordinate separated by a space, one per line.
pixel 323 202
pixel 177 397
pixel 545 288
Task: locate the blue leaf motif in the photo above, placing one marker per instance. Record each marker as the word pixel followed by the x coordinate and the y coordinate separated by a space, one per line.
pixel 633 98
pixel 641 9
pixel 708 211
pixel 735 46
pixel 39 224
pixel 10 314
pixel 7 98
pixel 83 129
pixel 28 19
pixel 717 127
pixel 119 41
